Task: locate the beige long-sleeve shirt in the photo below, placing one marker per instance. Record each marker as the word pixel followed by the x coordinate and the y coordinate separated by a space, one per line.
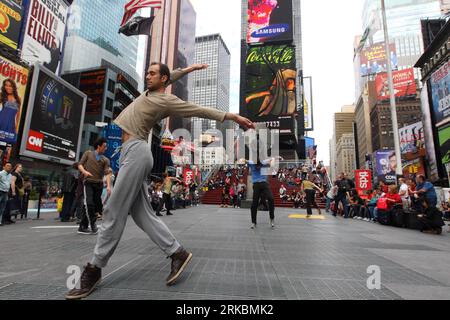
pixel 151 107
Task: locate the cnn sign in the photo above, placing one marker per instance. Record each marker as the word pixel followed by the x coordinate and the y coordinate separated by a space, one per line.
pixel 363 180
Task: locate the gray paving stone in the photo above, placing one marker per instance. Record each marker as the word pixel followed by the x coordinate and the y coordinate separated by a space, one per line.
pixel 299 260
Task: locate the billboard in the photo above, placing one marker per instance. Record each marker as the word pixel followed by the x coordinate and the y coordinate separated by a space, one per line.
pixel 45 28
pixel 308 103
pixel 269 21
pixel 373 59
pixel 404 84
pixel 386 165
pixel 92 83
pixel 113 135
pixel 13 81
pixel 440 88
pixel 363 179
pixel 11 15
pixel 270 87
pixel 444 144
pixel 54 120
pixel 412 141
pixel 413 168
pixel 310 143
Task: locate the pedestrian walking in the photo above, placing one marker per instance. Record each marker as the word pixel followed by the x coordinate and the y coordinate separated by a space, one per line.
pixel 16 192
pixel 136 162
pixel 5 185
pixel 93 166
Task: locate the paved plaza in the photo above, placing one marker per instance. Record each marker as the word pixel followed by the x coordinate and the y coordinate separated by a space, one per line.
pixel 299 260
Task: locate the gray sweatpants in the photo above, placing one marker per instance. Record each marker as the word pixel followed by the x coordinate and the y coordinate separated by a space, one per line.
pixel 130 195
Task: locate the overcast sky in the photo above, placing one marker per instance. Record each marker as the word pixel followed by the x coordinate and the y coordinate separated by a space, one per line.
pixel 328 28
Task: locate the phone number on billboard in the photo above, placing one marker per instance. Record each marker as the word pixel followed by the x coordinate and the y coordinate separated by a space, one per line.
pixel 270 124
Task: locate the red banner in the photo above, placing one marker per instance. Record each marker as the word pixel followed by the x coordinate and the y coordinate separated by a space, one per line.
pixel 188 176
pixel 363 180
pixel 404 84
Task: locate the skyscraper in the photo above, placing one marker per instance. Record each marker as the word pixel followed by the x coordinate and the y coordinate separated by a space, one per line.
pixel 405 35
pixel 93 39
pixel 211 87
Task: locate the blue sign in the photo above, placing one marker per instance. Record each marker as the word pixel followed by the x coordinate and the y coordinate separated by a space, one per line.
pixel 440 87
pixel 113 135
pixel 271 31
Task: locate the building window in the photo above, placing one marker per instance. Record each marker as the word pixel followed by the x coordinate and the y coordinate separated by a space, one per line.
pixel 111 86
pixel 109 104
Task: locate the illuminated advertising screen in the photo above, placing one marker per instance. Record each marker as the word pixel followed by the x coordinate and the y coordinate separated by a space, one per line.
pixel 373 59
pixel 269 21
pixel 440 88
pixel 13 81
pixel 270 88
pixel 444 143
pixel 92 83
pixel 11 15
pixel 45 29
pixel 54 120
pixel 404 84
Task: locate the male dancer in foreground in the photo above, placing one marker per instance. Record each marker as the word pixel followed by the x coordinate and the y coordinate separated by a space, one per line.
pixel 136 162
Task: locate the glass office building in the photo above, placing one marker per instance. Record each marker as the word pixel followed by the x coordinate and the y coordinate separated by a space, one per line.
pixel 93 39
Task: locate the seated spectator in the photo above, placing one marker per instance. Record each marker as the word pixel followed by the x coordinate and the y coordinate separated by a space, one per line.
pixel 225 198
pixel 431 220
pixel 355 204
pixel 393 197
pixel 283 193
pixel 372 204
pixel 427 189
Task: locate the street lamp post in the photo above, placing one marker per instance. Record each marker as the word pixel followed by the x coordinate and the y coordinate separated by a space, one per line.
pixel 398 155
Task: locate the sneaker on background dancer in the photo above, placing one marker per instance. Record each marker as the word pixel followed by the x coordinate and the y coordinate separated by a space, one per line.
pixel 136 162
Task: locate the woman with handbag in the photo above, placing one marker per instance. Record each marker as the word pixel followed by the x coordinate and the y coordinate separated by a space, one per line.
pixel 17 192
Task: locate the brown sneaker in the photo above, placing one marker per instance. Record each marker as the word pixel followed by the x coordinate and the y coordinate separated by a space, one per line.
pixel 180 260
pixel 90 277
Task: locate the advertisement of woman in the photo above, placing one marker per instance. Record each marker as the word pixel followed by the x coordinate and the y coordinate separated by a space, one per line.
pixel 13 80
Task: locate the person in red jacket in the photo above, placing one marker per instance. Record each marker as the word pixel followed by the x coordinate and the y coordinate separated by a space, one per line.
pixel 393 197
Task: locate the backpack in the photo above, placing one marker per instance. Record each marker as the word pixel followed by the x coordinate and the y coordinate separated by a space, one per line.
pixel 382 204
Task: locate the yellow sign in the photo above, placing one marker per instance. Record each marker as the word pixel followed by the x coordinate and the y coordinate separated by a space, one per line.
pixel 304 216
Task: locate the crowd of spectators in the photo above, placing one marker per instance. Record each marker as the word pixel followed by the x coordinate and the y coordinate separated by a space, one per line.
pixel 410 200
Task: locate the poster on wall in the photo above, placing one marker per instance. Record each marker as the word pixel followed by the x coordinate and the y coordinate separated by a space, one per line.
pixel 373 59
pixel 13 84
pixel 404 84
pixel 270 88
pixel 440 88
pixel 386 166
pixel 269 21
pixel 11 16
pixel 45 28
pixel 444 144
pixel 54 120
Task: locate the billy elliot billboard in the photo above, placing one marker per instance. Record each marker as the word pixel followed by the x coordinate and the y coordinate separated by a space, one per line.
pixel 11 15
pixel 54 120
pixel 270 88
pixel 373 59
pixel 404 84
pixel 269 21
pixel 13 83
pixel 44 33
pixel 440 88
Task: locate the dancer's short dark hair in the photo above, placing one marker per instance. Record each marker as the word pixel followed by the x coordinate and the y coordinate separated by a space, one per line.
pixel 163 70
